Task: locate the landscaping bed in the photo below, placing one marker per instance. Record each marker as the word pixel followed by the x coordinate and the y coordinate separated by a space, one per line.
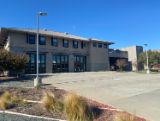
pixel 101 112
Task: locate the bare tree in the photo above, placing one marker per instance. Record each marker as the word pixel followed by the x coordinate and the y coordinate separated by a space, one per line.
pixel 121 63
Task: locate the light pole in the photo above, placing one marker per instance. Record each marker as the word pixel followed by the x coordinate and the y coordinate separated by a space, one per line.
pixel 148 71
pixel 37 80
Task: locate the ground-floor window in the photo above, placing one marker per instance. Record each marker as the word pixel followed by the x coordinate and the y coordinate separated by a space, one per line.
pixel 42 64
pixel 31 65
pixel 79 63
pixel 60 63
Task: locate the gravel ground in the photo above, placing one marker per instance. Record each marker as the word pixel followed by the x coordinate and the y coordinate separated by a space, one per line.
pixel 12 117
pixel 14 82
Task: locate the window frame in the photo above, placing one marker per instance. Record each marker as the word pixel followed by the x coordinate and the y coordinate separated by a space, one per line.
pixel 65 45
pixel 41 43
pixel 94 44
pixel 83 44
pixel 75 44
pixel 105 45
pixel 100 45
pixel 55 44
pixel 29 40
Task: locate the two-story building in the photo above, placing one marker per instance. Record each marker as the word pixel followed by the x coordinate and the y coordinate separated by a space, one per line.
pixel 58 52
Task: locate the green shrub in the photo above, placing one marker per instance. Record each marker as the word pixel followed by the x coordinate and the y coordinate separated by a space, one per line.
pixel 12 62
pixel 76 108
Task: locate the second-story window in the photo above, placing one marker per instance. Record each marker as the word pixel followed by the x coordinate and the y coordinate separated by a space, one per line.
pixel 94 44
pixel 83 44
pixel 105 46
pixel 42 40
pixel 100 45
pixel 75 44
pixel 31 39
pixel 65 43
pixel 54 42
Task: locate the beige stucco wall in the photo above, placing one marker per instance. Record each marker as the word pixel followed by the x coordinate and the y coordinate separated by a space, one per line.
pixel 97 58
pixel 133 53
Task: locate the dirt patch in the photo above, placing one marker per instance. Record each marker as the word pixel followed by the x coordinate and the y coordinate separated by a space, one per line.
pixel 32 93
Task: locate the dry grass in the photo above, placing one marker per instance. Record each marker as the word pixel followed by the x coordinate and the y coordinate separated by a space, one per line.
pixel 6 95
pixel 76 108
pixel 18 101
pixel 3 104
pixel 7 101
pixel 123 116
pixel 50 103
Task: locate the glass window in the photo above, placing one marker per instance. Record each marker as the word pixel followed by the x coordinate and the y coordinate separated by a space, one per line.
pixel 62 59
pixel 31 39
pixel 66 59
pixel 32 58
pixel 61 65
pixel 105 45
pixel 79 63
pixel 54 42
pixel 75 44
pixel 42 58
pixel 31 65
pixel 42 64
pixel 83 44
pixel 42 40
pixel 58 59
pixel 94 44
pixel 65 43
pixel 54 59
pixel 100 45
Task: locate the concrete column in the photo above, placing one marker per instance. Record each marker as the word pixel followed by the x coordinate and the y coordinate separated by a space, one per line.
pixel 71 63
pixel 88 63
pixel 49 63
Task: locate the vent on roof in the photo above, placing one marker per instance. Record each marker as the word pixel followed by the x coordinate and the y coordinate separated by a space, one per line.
pixel 66 33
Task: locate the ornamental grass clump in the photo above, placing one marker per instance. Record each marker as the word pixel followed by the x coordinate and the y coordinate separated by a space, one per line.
pixel 18 101
pixel 50 103
pixel 123 116
pixel 5 101
pixel 76 108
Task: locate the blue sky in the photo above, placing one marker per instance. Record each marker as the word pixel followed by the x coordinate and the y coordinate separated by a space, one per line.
pixel 125 22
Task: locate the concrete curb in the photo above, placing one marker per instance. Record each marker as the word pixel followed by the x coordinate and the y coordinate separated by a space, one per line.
pixel 31 116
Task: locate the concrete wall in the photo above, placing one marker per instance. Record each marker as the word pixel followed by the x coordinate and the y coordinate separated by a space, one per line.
pixel 98 57
pixel 133 53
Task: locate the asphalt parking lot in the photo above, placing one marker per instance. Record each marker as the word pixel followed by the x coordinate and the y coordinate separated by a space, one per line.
pixel 137 93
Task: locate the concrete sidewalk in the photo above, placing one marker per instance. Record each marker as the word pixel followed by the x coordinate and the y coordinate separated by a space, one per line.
pixel 133 92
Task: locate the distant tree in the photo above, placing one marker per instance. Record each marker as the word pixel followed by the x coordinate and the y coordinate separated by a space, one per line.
pixel 121 63
pixel 5 57
pixel 12 62
pixel 154 58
